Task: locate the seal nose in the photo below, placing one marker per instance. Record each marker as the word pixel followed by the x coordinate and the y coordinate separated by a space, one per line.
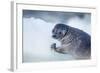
pixel 54 36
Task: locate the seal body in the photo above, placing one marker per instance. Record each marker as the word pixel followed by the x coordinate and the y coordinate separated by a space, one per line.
pixel 73 41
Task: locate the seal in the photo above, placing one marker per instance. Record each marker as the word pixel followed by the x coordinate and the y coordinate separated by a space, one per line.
pixel 73 41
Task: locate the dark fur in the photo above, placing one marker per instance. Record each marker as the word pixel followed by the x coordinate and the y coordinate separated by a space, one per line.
pixel 73 41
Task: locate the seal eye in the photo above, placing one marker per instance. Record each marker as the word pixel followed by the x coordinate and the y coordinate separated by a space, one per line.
pixel 52 31
pixel 59 32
